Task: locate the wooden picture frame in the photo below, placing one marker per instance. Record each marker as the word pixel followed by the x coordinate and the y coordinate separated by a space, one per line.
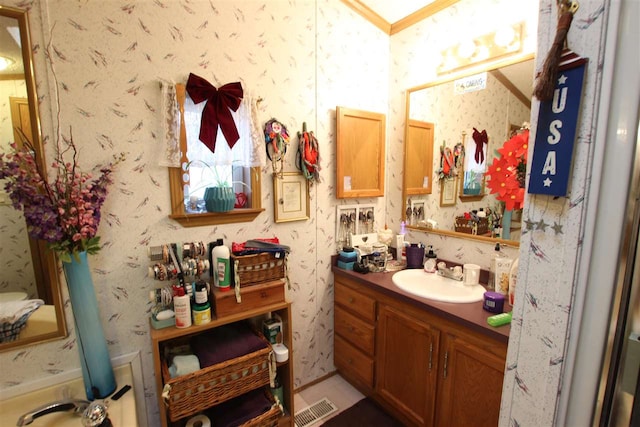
pixel 290 197
pixel 448 191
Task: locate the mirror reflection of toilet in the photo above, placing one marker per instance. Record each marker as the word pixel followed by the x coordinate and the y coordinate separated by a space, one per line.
pixel 12 296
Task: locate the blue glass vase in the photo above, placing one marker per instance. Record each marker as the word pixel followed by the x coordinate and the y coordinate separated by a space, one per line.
pixel 97 372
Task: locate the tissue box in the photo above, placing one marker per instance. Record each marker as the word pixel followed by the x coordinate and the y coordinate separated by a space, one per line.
pixel 272 329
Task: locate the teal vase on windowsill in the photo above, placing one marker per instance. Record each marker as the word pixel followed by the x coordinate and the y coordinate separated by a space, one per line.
pixel 219 199
pixel 97 372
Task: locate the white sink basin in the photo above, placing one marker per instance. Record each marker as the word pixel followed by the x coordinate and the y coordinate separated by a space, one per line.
pixel 436 287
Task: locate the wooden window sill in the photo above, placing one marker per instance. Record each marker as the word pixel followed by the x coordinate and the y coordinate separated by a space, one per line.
pixel 215 218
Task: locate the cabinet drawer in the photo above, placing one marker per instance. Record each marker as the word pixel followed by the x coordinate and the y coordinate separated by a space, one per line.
pixel 354 330
pixel 361 305
pixel 351 362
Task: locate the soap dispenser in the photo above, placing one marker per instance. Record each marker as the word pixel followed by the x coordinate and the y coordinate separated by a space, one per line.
pixel 430 263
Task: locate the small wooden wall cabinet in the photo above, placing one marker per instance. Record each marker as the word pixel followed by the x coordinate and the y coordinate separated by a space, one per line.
pixel 162 337
pixel 425 370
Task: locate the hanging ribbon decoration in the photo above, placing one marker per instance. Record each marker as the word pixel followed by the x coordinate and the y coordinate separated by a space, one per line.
pixel 480 139
pixel 217 110
pixel 276 137
pixel 447 162
pixel 308 160
pixel 546 79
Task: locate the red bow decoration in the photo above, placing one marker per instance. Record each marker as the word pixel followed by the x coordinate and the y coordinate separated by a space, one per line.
pixel 480 138
pixel 217 110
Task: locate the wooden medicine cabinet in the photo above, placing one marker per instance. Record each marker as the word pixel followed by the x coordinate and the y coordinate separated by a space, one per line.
pixel 418 158
pixel 359 153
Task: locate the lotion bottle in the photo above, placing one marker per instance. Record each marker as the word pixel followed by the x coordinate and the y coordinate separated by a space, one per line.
pixel 182 308
pixel 491 285
pixel 221 267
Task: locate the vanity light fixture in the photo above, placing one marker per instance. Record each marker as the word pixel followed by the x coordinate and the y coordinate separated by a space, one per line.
pixel 5 62
pixel 498 44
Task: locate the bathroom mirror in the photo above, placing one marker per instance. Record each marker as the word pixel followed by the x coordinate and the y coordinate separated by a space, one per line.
pixel 30 269
pixel 493 102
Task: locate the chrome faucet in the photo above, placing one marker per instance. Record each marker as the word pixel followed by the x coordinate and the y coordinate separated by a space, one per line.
pixel 78 406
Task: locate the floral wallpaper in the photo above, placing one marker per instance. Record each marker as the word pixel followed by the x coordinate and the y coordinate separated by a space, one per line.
pixel 98 65
pixel 98 68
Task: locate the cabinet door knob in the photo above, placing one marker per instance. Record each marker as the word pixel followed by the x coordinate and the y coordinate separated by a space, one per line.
pixel 351 300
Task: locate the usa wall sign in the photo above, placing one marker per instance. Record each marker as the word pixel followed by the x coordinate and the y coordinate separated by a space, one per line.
pixel 556 130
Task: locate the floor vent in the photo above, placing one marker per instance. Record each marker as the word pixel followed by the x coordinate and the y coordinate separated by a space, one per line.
pixel 315 412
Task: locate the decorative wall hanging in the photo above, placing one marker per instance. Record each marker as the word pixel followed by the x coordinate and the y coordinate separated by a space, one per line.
pixel 308 158
pixel 556 130
pixel 291 197
pixel 217 110
pixel 559 89
pixel 276 137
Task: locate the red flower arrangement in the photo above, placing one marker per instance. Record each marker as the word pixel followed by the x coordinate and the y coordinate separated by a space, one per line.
pixel 507 172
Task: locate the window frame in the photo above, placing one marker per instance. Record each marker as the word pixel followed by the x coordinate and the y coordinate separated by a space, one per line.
pixel 176 187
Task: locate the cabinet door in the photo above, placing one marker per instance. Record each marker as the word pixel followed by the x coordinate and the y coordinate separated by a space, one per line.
pixel 407 364
pixel 470 384
pixel 360 153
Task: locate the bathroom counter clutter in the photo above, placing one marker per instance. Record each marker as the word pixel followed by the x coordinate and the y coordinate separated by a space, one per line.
pixel 471 315
pixel 121 412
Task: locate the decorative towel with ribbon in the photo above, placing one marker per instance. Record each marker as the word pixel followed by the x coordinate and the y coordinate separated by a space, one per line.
pixel 217 110
pixel 480 139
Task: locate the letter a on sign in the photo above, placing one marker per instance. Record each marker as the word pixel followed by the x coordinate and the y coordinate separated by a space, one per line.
pixel 556 130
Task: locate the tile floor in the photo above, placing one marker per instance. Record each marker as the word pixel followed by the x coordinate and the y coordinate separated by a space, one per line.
pixel 334 388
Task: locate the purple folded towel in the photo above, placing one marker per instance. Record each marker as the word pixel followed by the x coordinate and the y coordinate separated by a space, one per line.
pixel 226 342
pixel 238 411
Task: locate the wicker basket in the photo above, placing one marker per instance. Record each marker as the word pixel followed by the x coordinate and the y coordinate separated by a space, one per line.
pixel 257 268
pixel 197 391
pixel 469 226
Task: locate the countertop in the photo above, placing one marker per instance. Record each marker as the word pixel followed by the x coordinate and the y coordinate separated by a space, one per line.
pixel 471 315
pixel 121 412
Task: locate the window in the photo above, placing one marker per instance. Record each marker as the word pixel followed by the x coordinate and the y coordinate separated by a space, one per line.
pixel 200 170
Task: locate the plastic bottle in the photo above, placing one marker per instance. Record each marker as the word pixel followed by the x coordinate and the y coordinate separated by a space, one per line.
pixel 513 278
pixel 201 308
pixel 430 263
pixel 182 308
pixel 221 267
pixel 491 285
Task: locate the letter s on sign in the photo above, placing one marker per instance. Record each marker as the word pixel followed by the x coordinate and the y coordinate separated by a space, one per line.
pixel 554 127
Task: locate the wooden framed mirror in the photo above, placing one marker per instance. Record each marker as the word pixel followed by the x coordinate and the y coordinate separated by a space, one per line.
pixel 34 268
pixel 504 102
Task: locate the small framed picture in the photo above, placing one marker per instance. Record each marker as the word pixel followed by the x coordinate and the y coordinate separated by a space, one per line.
pixel 291 197
pixel 448 191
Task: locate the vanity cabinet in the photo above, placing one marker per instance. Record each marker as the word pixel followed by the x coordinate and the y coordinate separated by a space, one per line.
pixel 354 337
pixel 162 337
pixel 427 370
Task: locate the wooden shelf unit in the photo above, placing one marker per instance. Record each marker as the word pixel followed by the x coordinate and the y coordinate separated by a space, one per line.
pixel 285 369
